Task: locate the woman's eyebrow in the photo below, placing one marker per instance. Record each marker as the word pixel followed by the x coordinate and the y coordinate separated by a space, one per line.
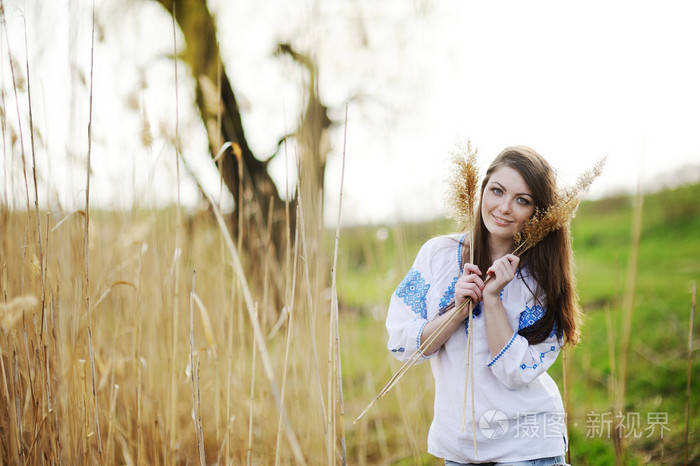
pixel 503 188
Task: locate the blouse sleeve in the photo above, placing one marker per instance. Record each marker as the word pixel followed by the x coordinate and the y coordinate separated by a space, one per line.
pixel 408 311
pixel 519 362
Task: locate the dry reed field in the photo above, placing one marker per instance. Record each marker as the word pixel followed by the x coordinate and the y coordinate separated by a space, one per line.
pixel 157 336
pixel 148 357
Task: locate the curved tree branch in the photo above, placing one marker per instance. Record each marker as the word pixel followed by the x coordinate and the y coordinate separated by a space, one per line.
pixel 221 115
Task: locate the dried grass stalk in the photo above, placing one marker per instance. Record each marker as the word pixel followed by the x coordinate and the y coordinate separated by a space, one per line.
pixel 469 372
pixel 206 321
pixel 290 314
pixel 88 309
pixel 463 185
pixel 626 331
pixel 689 372
pixel 249 450
pixel 172 430
pixel 334 360
pixel 194 379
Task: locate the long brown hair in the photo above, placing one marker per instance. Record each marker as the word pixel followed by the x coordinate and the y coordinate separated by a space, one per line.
pixel 550 261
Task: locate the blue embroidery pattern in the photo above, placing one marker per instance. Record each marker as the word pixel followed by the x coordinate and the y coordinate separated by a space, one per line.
pixel 449 294
pixel 476 312
pixel 534 366
pixel 531 315
pixel 505 348
pixel 555 331
pixel 420 332
pixel 459 253
pixel 413 291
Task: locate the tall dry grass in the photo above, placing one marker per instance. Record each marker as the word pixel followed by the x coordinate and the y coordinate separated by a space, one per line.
pixel 47 413
pixel 103 361
pixel 99 365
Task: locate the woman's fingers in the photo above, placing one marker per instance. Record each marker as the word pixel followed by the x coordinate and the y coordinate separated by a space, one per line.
pixel 469 285
pixel 469 289
pixel 471 269
pixel 507 264
pixel 502 271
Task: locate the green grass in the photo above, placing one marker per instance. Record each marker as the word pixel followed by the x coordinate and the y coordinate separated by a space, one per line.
pixel 669 262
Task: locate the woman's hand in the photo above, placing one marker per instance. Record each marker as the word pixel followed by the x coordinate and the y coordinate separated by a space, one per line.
pixel 502 271
pixel 469 285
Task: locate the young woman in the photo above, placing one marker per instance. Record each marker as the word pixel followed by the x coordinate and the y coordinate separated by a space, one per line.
pixel 524 313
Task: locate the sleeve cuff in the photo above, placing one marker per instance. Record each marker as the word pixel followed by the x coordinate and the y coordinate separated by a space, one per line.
pixel 418 337
pixel 502 352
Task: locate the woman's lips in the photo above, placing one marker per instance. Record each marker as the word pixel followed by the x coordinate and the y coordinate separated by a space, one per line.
pixel 501 221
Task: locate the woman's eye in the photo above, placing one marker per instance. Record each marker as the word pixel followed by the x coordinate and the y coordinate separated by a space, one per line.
pixel 523 201
pixel 497 191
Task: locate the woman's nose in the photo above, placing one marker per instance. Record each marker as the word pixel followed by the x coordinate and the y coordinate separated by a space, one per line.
pixel 505 205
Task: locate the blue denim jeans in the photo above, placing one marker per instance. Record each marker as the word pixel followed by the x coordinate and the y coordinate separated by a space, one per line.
pixel 553 461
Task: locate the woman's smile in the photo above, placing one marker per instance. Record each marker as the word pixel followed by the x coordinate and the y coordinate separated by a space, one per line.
pixel 501 221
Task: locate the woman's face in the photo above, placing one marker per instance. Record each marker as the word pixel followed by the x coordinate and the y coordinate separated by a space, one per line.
pixel 507 203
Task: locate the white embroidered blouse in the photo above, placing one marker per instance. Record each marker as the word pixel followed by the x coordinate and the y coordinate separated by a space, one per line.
pixel 518 409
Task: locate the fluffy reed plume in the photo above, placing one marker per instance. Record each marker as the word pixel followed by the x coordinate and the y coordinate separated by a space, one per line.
pixel 559 213
pixel 463 185
pixel 12 312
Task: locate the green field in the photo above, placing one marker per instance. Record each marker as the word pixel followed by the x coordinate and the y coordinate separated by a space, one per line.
pixel 374 259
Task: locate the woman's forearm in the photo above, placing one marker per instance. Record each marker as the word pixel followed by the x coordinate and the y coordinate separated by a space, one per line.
pixel 498 329
pixel 433 326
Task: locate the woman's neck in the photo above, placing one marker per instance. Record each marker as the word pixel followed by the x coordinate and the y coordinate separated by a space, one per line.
pixel 499 248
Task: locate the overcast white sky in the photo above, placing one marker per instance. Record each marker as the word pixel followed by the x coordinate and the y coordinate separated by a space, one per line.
pixel 575 81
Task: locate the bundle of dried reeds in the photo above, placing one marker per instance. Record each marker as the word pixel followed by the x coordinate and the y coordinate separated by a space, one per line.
pixel 462 201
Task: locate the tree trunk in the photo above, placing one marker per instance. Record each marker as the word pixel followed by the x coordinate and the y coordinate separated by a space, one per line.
pixel 252 187
pixel 261 219
pixel 312 137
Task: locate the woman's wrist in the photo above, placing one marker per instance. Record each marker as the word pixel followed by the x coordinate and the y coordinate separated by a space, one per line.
pixel 491 297
pixel 464 310
pixel 436 323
